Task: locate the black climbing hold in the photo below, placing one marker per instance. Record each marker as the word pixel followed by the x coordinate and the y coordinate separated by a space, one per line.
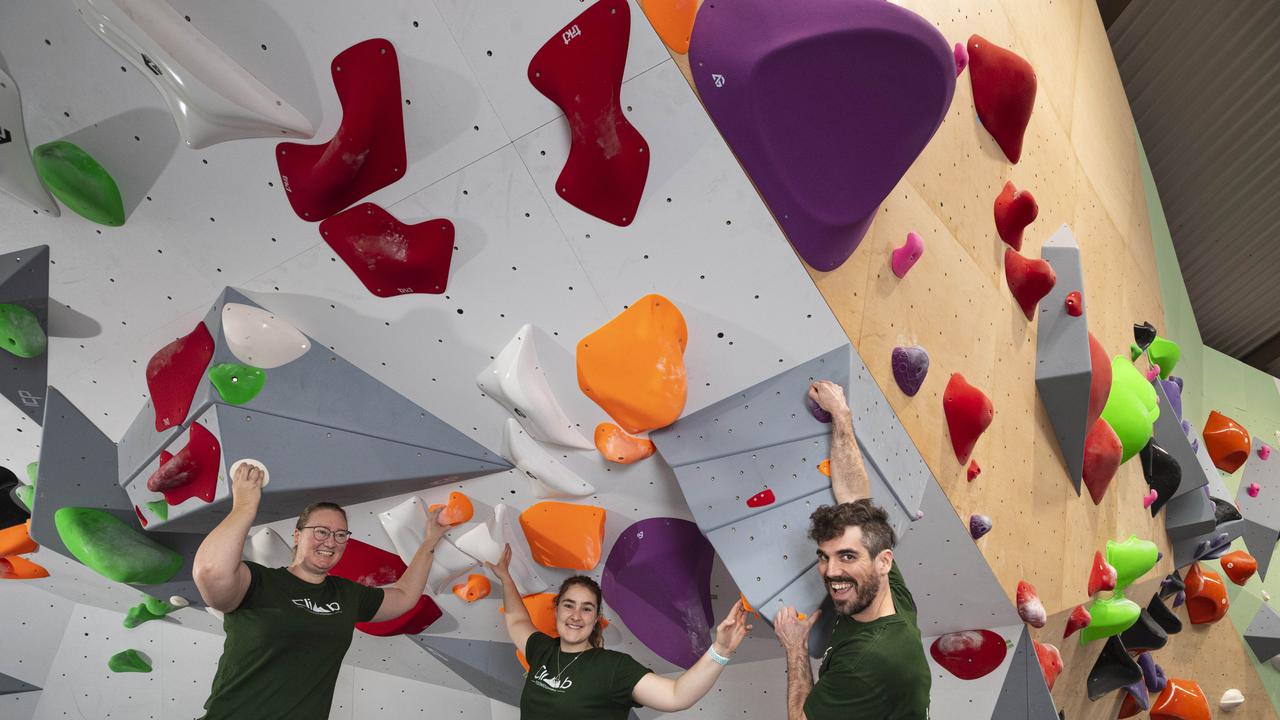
pixel 12 512
pixel 1113 670
pixel 1144 635
pixel 1163 615
pixel 1162 472
pixel 1171 585
pixel 1144 334
pixel 1224 511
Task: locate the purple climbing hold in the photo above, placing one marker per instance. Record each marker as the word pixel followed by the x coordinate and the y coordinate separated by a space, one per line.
pixel 961 54
pixel 816 410
pixel 1180 598
pixel 979 525
pixel 1152 674
pixel 1174 393
pixel 910 365
pixel 658 580
pixel 907 255
pixel 1177 381
pixel 1138 691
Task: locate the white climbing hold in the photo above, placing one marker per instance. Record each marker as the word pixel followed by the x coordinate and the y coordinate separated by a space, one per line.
pixel 212 98
pixel 216 613
pixel 266 475
pixel 548 477
pixel 406 524
pixel 268 549
pixel 1266 596
pixel 178 601
pixel 1231 699
pixel 515 380
pixel 258 338
pixel 485 542
pixel 18 175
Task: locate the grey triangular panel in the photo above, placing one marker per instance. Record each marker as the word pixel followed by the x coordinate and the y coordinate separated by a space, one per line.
pixel 24 281
pixel 10 685
pixel 1189 515
pixel 1184 548
pixel 1063 361
pixel 1169 435
pixel 1263 634
pixel 1014 702
pixel 490 667
pixel 1261 541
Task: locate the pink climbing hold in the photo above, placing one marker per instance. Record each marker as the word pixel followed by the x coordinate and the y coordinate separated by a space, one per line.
pixel 961 54
pixel 174 373
pixel 969 655
pixel 969 414
pixel 1029 280
pixel 1253 489
pixel 1264 452
pixel 1004 93
pixel 973 471
pixel 1153 372
pixel 1074 304
pixel 1014 210
pixel 1030 609
pixel 1150 498
pixel 193 472
pixel 389 257
pixel 761 499
pixel 907 255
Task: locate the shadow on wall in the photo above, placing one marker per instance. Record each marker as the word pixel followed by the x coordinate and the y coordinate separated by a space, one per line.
pixel 134 146
pixel 68 323
pixel 430 87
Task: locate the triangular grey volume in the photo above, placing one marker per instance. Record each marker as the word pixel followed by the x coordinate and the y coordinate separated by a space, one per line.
pixel 1063 361
pixel 10 685
pixel 1184 549
pixel 1188 515
pixel 490 667
pixel 1263 634
pixel 1261 541
pixel 24 281
pixel 1024 694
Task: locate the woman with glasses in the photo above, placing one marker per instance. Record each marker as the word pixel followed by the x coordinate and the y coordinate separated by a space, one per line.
pixel 288 628
pixel 574 678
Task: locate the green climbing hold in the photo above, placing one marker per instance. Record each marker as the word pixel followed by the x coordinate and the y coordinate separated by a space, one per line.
pixel 1135 352
pixel 129 661
pixel 20 332
pixel 159 508
pixel 76 179
pixel 1109 616
pixel 113 549
pixel 1131 408
pixel 236 383
pixel 33 472
pixel 1131 559
pixel 149 609
pixel 27 496
pixel 1165 353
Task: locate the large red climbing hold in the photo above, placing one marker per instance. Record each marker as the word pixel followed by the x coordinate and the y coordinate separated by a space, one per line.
pixel 193 472
pixel 367 153
pixel 1029 280
pixel 1181 700
pixel 417 619
pixel 1207 600
pixel 969 414
pixel 1102 454
pixel 970 654
pixel 1227 442
pixel 389 257
pixel 174 374
pixel 1015 210
pixel 580 69
pixel 1099 381
pixel 1050 662
pixel 1102 576
pixel 1004 92
pixel 368 565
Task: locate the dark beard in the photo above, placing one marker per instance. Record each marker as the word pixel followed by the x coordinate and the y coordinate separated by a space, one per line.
pixel 864 594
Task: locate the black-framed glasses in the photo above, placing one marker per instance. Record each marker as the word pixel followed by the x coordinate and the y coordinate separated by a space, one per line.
pixel 322 533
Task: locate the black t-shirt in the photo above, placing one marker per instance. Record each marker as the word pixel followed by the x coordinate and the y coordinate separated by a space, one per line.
pixel 595 684
pixel 285 644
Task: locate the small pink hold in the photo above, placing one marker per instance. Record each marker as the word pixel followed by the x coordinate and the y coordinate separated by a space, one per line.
pixel 1075 304
pixel 919 514
pixel 1153 372
pixel 1150 498
pixel 961 54
pixel 907 255
pixel 1264 451
pixel 1254 489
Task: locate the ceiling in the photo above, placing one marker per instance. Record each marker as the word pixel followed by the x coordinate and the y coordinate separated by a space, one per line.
pixel 1203 80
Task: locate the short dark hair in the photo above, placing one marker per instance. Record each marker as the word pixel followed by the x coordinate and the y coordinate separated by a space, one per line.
pixel 596 639
pixel 830 521
pixel 306 512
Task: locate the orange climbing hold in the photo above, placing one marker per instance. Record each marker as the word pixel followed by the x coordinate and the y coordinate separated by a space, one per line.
pixel 475 588
pixel 457 509
pixel 1227 442
pixel 1239 566
pixel 20 568
pixel 542 611
pixel 1207 598
pixel 633 366
pixel 17 540
pixel 968 412
pixel 1181 700
pixel 824 467
pixel 672 20
pixel 564 535
pixel 615 445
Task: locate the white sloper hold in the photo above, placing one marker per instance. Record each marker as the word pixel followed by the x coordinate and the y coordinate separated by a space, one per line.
pixel 258 338
pixel 516 381
pixel 212 98
pixel 268 549
pixel 548 477
pixel 405 525
pixel 18 175
pixel 485 542
pixel 1231 699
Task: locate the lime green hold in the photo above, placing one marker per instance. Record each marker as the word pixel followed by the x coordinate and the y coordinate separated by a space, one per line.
pixel 76 179
pixel 20 332
pixel 27 496
pixel 1135 352
pixel 1131 559
pixel 129 661
pixel 150 609
pixel 1131 407
pixel 1165 353
pixel 236 383
pixel 159 508
pixel 113 549
pixel 1109 616
pixel 33 472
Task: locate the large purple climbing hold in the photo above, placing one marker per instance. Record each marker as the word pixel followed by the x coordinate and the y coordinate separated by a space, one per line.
pixel 816 410
pixel 1173 392
pixel 658 580
pixel 1152 674
pixel 910 365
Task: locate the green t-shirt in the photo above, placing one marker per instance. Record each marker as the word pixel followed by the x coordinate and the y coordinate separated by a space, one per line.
pixel 874 669
pixel 594 684
pixel 285 644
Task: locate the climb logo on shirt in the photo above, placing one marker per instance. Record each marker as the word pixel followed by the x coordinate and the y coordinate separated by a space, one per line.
pixel 546 680
pixel 318 609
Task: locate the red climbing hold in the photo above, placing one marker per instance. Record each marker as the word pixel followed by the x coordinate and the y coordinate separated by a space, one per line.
pixel 1099 382
pixel 973 471
pixel 1030 609
pixel 368 565
pixel 761 499
pixel 1102 454
pixel 1227 442
pixel 1102 576
pixel 968 412
pixel 1050 662
pixel 367 153
pixel 1004 92
pixel 389 257
pixel 1207 600
pixel 1015 210
pixel 970 654
pixel 419 618
pixel 142 519
pixel 1074 304
pixel 1181 700
pixel 1239 566
pixel 174 373
pixel 580 69
pixel 1078 619
pixel 1029 280
pixel 193 472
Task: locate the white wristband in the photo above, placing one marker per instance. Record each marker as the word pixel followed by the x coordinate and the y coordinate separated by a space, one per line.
pixel 717 657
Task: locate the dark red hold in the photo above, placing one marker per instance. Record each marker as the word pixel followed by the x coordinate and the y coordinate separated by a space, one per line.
pixel 1029 280
pixel 137 510
pixel 1075 304
pixel 974 470
pixel 1014 210
pixel 389 257
pixel 761 499
pixel 969 413
pixel 1004 93
pixel 193 472
pixel 174 373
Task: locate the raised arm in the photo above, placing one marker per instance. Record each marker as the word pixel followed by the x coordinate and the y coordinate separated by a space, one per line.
pixel 793 633
pixel 399 597
pixel 668 695
pixel 848 476
pixel 519 624
pixel 220 576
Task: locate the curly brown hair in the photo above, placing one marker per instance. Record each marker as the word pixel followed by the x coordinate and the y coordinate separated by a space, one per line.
pixel 830 521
